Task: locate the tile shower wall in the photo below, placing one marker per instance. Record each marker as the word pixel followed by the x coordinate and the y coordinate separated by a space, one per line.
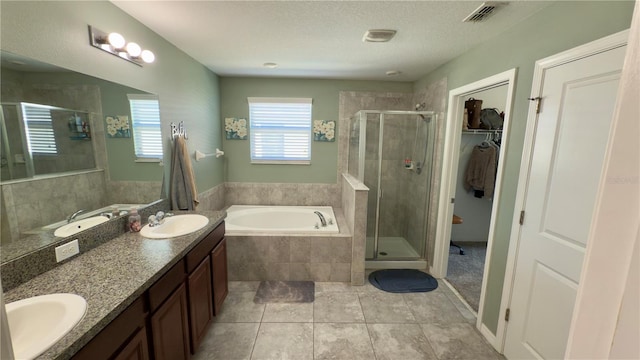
pixel 354 206
pixel 435 97
pixel 350 103
pixel 72 152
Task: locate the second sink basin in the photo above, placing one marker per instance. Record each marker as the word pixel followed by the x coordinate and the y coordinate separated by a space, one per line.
pixel 174 226
pixel 38 322
pixel 79 225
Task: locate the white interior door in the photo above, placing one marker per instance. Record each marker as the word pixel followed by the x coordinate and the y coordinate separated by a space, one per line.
pixel 566 162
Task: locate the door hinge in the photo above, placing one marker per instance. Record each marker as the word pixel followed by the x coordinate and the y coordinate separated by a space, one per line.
pixel 453 200
pixel 538 101
pixel 506 314
pixel 521 217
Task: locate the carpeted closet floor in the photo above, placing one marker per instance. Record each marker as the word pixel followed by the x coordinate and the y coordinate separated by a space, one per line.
pixel 465 271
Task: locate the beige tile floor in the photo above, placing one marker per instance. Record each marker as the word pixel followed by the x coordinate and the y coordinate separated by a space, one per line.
pixel 345 322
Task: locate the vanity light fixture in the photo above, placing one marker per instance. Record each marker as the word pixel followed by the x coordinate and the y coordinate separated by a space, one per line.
pixel 115 44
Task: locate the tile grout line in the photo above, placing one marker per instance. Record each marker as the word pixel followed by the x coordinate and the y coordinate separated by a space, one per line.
pixel 366 325
pixel 255 341
pixel 313 323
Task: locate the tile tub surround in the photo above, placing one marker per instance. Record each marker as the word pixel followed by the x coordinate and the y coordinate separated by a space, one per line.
pixel 297 194
pixel 212 199
pixel 291 257
pixel 20 263
pixel 354 205
pixel 110 277
pixel 345 322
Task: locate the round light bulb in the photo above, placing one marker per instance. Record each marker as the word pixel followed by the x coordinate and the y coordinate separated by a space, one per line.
pixel 133 49
pixel 147 56
pixel 116 40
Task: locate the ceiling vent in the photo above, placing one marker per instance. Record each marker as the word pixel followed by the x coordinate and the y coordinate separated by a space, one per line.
pixel 484 11
pixel 378 35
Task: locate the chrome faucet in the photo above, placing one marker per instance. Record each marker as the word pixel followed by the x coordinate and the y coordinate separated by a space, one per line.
pixel 73 216
pixel 158 218
pixel 322 219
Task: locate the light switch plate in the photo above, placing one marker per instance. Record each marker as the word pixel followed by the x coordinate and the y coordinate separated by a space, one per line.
pixel 67 250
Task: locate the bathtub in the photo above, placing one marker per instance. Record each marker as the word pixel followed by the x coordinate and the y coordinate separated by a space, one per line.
pixel 251 219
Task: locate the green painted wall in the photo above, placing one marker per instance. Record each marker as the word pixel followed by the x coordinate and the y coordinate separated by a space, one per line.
pixel 554 29
pixel 56 33
pixel 324 155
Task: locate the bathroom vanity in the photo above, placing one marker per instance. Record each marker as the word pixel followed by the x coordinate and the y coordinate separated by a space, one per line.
pixel 146 298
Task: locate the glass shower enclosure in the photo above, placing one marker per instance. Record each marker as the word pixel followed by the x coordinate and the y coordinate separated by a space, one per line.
pixel 391 152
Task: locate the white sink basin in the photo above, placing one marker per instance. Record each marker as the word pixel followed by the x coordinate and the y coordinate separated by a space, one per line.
pixel 176 225
pixel 39 322
pixel 79 225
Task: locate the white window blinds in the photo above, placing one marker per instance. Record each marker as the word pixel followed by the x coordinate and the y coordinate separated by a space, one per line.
pixel 39 128
pixel 280 130
pixel 145 120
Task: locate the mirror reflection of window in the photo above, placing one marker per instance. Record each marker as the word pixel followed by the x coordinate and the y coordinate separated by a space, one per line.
pixel 39 129
pixel 145 120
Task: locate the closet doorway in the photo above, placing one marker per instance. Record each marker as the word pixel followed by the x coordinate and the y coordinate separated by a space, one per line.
pixel 474 194
pixel 478 213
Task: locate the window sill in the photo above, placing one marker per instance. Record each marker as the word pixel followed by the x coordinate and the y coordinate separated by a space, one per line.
pixel 148 160
pixel 281 162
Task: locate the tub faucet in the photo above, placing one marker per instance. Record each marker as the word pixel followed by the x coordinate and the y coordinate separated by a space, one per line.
pixel 72 217
pixel 322 219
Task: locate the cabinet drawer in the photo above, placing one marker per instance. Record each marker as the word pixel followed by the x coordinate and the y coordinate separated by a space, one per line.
pixel 162 288
pixel 200 251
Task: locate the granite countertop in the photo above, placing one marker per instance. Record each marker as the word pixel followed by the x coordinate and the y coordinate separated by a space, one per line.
pixel 110 277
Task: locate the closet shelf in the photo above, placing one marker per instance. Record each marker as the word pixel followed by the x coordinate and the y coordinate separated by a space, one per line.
pixel 481 131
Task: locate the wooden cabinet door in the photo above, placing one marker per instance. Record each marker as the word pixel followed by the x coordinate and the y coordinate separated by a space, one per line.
pixel 200 302
pixel 137 348
pixel 219 271
pixel 115 335
pixel 170 328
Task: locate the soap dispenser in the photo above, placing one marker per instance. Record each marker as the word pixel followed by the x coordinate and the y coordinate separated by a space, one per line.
pixel 135 221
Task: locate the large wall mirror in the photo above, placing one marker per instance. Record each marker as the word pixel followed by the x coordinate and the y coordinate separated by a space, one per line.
pixel 67 144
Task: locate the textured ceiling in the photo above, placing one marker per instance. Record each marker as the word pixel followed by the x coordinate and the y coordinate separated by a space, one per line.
pixel 323 39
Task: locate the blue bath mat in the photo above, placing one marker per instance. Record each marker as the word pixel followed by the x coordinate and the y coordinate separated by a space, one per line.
pixel 403 280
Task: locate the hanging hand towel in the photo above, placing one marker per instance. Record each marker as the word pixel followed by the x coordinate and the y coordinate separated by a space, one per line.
pixel 183 192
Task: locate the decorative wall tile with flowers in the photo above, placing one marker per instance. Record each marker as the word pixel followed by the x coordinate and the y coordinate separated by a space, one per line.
pixel 324 130
pixel 235 129
pixel 118 126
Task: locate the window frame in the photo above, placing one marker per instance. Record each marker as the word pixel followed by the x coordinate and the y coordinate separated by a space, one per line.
pixel 138 124
pixel 299 130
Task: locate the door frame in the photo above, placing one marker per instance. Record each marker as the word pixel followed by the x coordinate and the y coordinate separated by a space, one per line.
pixel 451 157
pixel 541 66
